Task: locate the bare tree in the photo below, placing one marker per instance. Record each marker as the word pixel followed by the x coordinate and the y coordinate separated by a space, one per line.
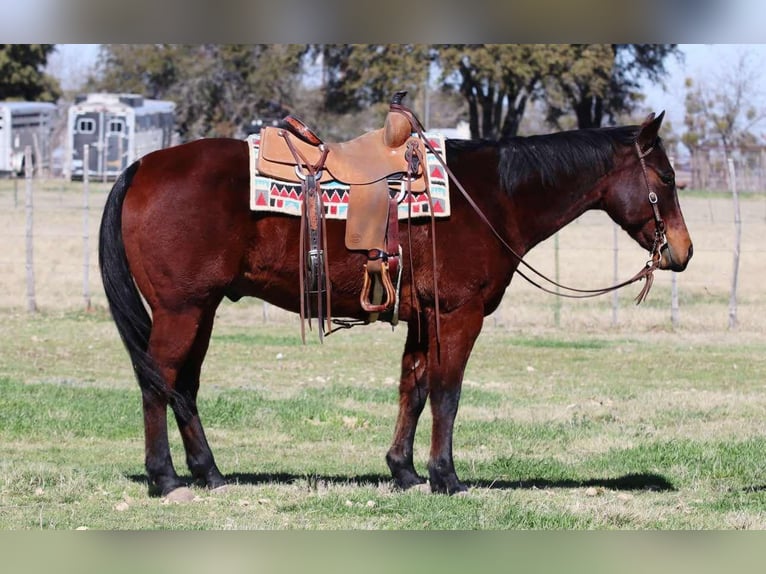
pixel 724 109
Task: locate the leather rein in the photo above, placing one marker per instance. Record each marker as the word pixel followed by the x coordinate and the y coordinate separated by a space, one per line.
pixel 647 272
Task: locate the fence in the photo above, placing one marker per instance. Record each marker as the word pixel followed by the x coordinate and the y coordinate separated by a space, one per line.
pixel 49 231
pixel 707 168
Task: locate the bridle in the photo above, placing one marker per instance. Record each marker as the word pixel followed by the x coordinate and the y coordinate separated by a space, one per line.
pixel 647 272
pixel 660 240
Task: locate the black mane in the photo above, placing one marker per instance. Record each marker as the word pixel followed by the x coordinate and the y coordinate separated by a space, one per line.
pixel 588 153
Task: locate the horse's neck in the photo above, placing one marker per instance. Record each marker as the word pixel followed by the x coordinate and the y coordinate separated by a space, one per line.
pixel 543 211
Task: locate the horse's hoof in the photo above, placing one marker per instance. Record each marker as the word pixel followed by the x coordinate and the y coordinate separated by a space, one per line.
pixel 181 494
pixel 451 488
pixel 406 479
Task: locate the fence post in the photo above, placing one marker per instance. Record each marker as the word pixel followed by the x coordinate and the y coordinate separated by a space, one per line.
pixel 557 301
pixel 38 156
pixel 30 268
pixel 616 275
pixel 104 156
pixel 674 310
pixel 737 240
pixel 86 230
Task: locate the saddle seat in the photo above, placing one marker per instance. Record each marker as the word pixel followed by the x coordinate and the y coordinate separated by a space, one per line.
pixel 369 158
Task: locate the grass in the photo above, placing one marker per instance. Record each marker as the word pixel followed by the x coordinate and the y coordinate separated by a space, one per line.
pixel 651 430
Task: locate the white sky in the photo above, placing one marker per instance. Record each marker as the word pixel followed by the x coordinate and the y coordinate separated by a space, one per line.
pixel 702 62
pixel 70 63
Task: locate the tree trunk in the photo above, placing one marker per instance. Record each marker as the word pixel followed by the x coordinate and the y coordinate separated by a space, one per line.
pixel 487 125
pixel 513 117
pixel 473 116
pixel 590 112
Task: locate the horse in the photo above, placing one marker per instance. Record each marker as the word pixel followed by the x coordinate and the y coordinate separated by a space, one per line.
pixel 177 235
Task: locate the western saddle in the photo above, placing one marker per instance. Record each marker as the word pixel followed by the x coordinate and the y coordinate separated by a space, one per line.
pixel 293 152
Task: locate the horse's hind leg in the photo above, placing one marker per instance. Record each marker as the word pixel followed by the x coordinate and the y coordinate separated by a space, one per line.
pixel 159 464
pixel 175 338
pixel 199 457
pixel 413 392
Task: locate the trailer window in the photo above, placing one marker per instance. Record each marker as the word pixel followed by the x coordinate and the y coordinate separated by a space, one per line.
pixel 116 126
pixel 86 126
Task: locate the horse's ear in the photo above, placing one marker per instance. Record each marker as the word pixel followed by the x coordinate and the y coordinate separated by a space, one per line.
pixel 649 130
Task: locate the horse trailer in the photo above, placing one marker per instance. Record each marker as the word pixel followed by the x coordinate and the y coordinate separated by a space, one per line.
pixel 25 124
pixel 118 129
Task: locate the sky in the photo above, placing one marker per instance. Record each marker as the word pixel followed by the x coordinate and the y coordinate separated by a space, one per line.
pixel 702 62
pixel 70 63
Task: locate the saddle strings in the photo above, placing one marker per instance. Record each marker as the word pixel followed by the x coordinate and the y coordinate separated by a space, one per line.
pixel 312 219
pixel 416 155
pixel 647 272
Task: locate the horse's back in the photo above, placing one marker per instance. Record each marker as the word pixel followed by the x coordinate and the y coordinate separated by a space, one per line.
pixel 207 157
pixel 192 174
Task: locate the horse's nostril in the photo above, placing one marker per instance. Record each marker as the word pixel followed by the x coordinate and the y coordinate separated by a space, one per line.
pixel 690 253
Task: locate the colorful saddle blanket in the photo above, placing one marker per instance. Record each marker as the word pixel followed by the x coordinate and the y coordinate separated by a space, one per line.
pixel 268 194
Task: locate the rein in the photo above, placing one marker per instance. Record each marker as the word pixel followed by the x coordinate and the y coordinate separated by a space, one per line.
pixel 647 272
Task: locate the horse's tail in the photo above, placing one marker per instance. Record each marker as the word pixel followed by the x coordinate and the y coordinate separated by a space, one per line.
pixel 131 317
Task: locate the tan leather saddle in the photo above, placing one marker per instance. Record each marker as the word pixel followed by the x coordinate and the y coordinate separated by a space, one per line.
pixel 294 153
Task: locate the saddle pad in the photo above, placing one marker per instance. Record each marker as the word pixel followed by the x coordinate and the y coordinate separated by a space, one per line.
pixel 273 195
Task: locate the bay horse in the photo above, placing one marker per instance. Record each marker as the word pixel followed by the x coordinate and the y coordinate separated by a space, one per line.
pixel 177 230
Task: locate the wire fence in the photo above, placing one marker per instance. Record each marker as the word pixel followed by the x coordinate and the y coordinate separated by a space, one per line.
pixel 49 262
pixel 708 168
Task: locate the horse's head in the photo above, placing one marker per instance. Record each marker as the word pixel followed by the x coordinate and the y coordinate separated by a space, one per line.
pixel 642 198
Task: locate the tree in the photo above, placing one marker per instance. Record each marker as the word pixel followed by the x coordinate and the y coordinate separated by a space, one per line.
pixel 217 88
pixel 724 109
pixel 588 83
pixel 147 69
pixel 599 82
pixel 227 86
pixel 22 76
pixel 358 76
pixel 497 82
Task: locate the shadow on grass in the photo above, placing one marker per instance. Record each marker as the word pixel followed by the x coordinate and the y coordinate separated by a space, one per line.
pixel 753 488
pixel 628 482
pixel 651 482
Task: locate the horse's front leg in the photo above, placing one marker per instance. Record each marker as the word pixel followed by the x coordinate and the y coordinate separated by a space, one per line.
pixel 459 330
pixel 413 392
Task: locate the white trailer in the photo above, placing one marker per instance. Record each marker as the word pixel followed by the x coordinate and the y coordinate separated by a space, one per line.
pixel 118 128
pixel 25 124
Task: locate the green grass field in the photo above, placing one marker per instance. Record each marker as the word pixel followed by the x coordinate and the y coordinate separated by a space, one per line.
pixel 614 431
pixel 581 425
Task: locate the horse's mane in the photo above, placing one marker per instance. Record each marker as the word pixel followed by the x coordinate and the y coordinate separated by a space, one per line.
pixel 551 157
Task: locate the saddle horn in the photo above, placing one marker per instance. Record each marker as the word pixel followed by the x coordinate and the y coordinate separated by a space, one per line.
pixel 398 97
pixel 398 126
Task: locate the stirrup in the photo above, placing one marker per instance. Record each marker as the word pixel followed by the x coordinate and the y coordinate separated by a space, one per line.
pixel 364 297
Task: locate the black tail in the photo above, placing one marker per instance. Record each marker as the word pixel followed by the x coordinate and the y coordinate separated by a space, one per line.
pixel 128 311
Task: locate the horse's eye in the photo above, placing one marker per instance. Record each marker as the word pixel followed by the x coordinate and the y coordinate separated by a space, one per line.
pixel 667 178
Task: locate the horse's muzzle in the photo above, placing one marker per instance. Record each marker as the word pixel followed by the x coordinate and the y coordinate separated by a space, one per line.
pixel 671 260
